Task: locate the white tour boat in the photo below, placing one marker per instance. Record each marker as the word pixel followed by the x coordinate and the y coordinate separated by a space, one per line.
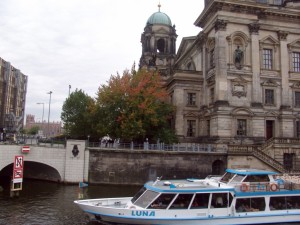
pixel 240 196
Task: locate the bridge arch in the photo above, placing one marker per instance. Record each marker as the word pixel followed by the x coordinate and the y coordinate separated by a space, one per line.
pixel 34 170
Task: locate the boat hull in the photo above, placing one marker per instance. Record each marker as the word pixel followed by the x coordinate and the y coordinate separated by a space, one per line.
pixel 240 196
pixel 122 215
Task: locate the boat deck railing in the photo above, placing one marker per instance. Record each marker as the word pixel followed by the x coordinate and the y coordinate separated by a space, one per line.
pixel 266 186
pixel 109 202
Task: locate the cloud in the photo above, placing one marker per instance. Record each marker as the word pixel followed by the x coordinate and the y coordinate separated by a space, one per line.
pixel 79 42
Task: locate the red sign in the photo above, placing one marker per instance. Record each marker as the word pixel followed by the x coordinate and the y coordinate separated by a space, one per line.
pixel 25 149
pixel 18 169
pixel 18 164
pixel 18 173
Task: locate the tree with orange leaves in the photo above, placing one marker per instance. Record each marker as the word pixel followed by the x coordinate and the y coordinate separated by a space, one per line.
pixel 134 107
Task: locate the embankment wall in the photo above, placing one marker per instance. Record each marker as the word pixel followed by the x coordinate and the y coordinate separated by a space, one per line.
pixel 138 166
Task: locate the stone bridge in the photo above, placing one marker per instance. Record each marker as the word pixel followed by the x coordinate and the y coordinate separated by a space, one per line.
pixel 76 162
pixel 68 164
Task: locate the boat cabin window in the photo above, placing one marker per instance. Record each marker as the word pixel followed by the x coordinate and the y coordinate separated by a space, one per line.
pixel 146 198
pixel 257 178
pixel 182 201
pixel 283 203
pixel 138 194
pixel 250 204
pixel 237 178
pixel 162 202
pixel 219 200
pixel 227 177
pixel 200 201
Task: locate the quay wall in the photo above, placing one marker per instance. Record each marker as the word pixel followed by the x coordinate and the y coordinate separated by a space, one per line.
pixel 138 166
pixel 75 162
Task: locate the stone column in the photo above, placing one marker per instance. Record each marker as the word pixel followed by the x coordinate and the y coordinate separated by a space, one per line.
pixel 284 68
pixel 256 100
pixel 75 162
pixel 178 98
pixel 221 87
pixel 202 38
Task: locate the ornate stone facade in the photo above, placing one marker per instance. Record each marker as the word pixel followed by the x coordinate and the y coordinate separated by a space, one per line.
pixel 244 76
pixel 159 44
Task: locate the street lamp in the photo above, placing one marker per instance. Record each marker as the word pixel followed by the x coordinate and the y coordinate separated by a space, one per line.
pixel 69 89
pixel 50 92
pixel 42 103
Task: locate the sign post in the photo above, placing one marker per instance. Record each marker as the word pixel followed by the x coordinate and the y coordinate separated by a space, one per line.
pixel 16 183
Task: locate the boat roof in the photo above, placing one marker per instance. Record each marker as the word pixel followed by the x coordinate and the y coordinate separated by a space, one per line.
pixel 214 183
pixel 251 172
pixel 188 185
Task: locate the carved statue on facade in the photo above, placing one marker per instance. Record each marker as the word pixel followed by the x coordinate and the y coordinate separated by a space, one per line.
pixel 238 57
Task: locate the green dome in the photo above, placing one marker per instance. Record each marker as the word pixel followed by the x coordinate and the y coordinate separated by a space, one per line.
pixel 159 18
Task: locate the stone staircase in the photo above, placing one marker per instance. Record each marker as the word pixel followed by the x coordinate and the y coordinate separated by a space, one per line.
pixel 261 152
pixel 268 160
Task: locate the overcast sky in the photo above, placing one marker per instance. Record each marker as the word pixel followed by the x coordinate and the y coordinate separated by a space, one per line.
pixel 81 43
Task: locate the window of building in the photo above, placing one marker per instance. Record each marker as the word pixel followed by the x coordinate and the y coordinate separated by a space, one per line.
pixel 267 59
pixel 191 128
pixel 297 98
pixel 161 45
pixel 296 61
pixel 288 160
pixel 269 97
pixel 191 99
pixel 241 127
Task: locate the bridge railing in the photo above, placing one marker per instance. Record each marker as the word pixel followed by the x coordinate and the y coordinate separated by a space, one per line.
pixel 180 147
pixel 188 147
pixel 43 143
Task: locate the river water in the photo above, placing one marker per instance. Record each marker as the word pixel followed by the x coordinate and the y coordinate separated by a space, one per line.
pixel 43 203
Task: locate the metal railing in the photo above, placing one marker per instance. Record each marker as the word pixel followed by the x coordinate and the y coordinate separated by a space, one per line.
pixel 188 147
pixel 258 153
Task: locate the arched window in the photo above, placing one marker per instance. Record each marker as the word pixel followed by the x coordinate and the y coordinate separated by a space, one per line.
pixel 161 46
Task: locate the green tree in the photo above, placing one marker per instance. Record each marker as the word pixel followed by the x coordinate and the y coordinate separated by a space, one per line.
pixel 76 115
pixel 134 107
pixel 33 130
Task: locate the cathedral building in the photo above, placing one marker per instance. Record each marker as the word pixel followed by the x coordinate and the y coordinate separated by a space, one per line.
pixel 159 44
pixel 239 77
pixel 238 80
